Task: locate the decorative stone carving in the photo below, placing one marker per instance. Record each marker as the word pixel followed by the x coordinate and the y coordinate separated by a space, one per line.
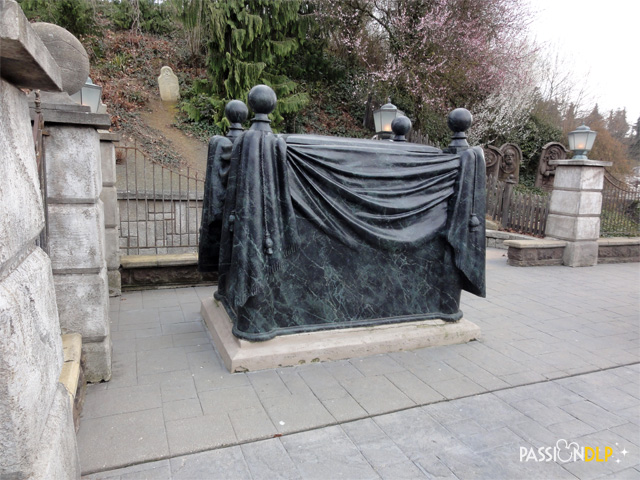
pixel 546 172
pixel 493 159
pixel 68 53
pixel 169 85
pixel 511 159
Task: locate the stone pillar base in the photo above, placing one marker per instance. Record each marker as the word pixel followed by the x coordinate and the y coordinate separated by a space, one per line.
pixel 115 283
pixel 326 345
pixel 98 360
pixel 580 254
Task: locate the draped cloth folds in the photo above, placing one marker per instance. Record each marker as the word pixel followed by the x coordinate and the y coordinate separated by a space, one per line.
pixel 390 196
pixel 257 207
pixel 218 157
pixel 377 192
pixel 466 237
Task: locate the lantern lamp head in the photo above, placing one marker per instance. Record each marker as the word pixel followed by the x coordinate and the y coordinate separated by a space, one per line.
pixel 384 117
pixel 581 142
pixel 89 95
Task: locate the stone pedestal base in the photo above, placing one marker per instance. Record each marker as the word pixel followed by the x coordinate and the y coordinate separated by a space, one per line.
pixel 297 349
pixel 98 360
pixel 115 283
pixel 580 254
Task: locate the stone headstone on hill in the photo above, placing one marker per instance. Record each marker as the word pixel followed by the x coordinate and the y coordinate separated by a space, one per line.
pixel 168 84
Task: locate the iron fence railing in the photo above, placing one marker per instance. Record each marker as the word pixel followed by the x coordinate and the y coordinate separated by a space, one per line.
pixel 620 208
pixel 160 208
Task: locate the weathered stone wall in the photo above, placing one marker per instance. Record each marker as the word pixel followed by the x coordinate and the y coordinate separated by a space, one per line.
pixel 618 250
pixel 109 197
pixel 77 238
pixel 37 437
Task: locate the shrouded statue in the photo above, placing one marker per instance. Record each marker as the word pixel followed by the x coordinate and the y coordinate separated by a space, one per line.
pixel 310 232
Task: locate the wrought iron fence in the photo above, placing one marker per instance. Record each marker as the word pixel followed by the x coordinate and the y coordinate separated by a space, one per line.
pixel 522 212
pixel 160 208
pixel 620 208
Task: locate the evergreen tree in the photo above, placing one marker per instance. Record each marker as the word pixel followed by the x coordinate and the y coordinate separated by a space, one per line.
pixel 247 42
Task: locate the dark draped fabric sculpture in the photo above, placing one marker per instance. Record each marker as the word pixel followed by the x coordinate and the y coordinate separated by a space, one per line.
pixel 322 232
pixel 215 185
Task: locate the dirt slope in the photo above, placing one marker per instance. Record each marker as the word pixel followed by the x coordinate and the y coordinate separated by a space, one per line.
pixel 192 152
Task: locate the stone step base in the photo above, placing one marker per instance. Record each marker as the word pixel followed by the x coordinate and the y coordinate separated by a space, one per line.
pixel 142 272
pixel 72 374
pixel 327 345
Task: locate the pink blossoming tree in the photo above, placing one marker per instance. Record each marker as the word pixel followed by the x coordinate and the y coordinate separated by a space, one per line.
pixel 441 53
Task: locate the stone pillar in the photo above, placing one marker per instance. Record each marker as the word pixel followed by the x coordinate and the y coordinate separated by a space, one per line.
pixel 37 436
pixel 77 243
pixel 109 199
pixel 574 212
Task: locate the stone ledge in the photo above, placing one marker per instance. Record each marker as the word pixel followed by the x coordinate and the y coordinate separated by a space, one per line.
pixel 535 252
pixel 496 238
pixel 619 241
pixel 587 162
pixel 72 351
pixel 550 251
pixel 107 136
pixel 619 250
pixel 144 261
pixel 84 119
pixel 156 271
pixel 24 59
pixel 537 243
pixel 327 345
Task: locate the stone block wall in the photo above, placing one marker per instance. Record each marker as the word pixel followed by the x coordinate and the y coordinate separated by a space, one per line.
pixel 109 197
pixel 77 242
pixel 37 437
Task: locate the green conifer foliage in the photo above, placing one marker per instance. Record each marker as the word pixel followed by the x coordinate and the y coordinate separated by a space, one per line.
pixel 247 43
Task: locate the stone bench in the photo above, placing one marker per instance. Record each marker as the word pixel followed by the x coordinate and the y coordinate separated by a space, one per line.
pixel 619 250
pixel 549 251
pixel 534 252
pixel 496 238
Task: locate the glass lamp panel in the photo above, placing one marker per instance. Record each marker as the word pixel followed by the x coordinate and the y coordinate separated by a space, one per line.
pixel 387 116
pixel 377 120
pixel 91 96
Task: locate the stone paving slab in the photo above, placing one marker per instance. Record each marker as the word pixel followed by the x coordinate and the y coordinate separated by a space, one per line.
pixel 539 324
pixel 492 435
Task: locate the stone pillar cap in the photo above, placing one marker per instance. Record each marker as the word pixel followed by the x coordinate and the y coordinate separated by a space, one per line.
pixel 584 163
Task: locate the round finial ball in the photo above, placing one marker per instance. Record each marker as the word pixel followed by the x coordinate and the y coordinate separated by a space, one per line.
pixel 459 120
pixel 262 99
pixel 401 125
pixel 68 53
pixel 236 111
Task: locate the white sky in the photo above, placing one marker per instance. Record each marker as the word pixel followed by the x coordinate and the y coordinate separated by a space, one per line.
pixel 602 39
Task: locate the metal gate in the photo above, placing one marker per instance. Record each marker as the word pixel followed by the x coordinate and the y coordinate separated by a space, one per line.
pixel 160 208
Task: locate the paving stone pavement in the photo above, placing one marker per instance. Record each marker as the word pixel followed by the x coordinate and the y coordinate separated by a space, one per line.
pixel 558 361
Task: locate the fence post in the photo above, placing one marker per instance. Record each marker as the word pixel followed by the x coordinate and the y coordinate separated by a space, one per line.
pixel 506 200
